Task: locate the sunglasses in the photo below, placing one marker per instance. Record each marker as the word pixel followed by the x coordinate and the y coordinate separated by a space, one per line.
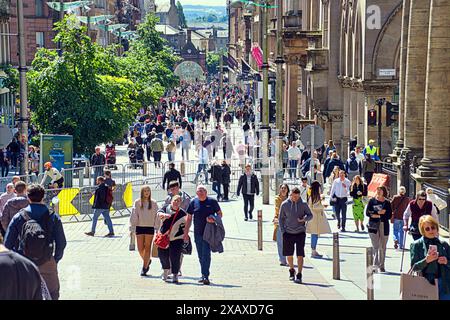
pixel 427 229
pixel 422 199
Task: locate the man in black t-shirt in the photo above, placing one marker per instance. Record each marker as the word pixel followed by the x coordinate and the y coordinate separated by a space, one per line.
pixel 202 207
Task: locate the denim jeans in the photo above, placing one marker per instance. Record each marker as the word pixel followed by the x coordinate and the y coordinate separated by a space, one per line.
pixel 293 168
pixel 280 246
pixel 204 254
pixel 399 234
pixel 202 167
pixel 216 188
pixel 98 171
pixel 105 214
pixel 314 240
pixel 341 207
pixel 442 295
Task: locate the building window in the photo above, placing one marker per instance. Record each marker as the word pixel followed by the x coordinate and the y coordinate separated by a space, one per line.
pixel 40 40
pixel 100 4
pixel 39 4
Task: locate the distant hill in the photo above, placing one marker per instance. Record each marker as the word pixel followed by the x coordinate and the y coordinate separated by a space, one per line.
pixel 197 13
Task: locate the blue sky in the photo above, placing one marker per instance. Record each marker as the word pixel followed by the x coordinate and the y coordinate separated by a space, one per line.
pixel 205 2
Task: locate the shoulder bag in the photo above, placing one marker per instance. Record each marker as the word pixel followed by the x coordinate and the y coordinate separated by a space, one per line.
pixel 162 240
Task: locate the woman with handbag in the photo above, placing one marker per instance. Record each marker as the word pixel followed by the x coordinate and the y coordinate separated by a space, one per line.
pixel 319 223
pixel 143 221
pixel 431 256
pixel 379 212
pixel 283 194
pixel 358 190
pixel 170 238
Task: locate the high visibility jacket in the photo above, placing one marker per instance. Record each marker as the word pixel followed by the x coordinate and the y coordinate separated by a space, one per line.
pixel 373 151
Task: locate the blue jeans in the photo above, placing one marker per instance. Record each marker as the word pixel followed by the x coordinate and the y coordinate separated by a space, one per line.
pixel 202 167
pixel 216 188
pixel 442 295
pixel 398 232
pixel 105 214
pixel 98 171
pixel 314 240
pixel 280 246
pixel 293 168
pixel 204 254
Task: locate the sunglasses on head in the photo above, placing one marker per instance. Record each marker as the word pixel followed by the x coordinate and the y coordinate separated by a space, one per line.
pixel 427 229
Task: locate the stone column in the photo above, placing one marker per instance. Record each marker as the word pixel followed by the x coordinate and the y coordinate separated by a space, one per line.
pixel 403 56
pixel 291 105
pixel 416 76
pixel 346 124
pixel 360 116
pixel 436 160
pixel 353 113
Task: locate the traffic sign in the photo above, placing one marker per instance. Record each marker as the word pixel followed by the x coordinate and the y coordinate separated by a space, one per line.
pixel 312 134
pixel 5 135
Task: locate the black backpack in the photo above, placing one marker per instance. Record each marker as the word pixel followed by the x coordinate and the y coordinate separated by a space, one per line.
pixel 35 239
pixel 354 165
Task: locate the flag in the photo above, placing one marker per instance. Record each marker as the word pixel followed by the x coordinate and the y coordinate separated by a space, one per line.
pixel 257 54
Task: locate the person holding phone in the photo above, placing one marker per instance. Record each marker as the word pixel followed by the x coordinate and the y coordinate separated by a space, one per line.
pixel 379 211
pixel 431 256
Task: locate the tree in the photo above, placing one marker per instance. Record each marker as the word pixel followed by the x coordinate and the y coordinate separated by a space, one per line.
pixel 180 10
pixel 212 62
pixel 74 94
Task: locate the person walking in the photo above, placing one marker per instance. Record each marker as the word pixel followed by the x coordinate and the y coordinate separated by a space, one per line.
pixel 358 191
pixel 430 256
pixel 368 168
pixel 353 167
pixel 185 144
pixel 340 191
pixel 171 149
pixel 101 207
pixel 200 209
pixel 144 222
pixel 319 222
pixel 157 147
pixel 304 190
pixel 23 223
pixel 20 278
pixel 14 204
pixel 335 161
pixel 416 209
pixel 203 160
pixel 399 204
pixel 4 162
pixel 249 185
pixel 98 162
pixel 379 211
pixel 173 222
pixel 293 157
pixel 216 178
pixel 283 194
pixel 171 175
pixel 226 179
pixel 292 218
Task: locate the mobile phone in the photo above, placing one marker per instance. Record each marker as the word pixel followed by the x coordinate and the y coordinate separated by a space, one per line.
pixel 432 248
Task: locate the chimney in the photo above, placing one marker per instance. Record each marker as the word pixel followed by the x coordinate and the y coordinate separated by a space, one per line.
pixel 189 36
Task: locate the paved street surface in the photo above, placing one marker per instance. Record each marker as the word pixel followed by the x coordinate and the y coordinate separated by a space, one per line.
pixel 102 268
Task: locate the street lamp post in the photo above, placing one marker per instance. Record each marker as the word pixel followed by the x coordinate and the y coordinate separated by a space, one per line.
pixel 265 107
pixel 279 98
pixel 23 120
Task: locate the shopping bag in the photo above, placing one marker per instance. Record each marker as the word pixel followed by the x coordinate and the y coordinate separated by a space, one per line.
pixel 416 287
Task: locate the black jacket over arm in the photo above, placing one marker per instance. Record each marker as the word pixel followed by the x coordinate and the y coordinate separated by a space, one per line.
pixel 100 197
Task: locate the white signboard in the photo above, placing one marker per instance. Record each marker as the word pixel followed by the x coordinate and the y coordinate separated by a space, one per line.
pixel 386 72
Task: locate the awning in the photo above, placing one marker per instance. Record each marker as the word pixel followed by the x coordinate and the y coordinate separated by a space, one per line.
pixel 232 63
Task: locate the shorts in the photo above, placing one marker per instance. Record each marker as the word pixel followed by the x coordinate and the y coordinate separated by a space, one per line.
pixel 294 240
pixel 145 230
pixel 60 182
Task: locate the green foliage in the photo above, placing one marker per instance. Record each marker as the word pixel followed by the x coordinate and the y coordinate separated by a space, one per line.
pixel 12 80
pixel 180 10
pixel 212 63
pixel 74 95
